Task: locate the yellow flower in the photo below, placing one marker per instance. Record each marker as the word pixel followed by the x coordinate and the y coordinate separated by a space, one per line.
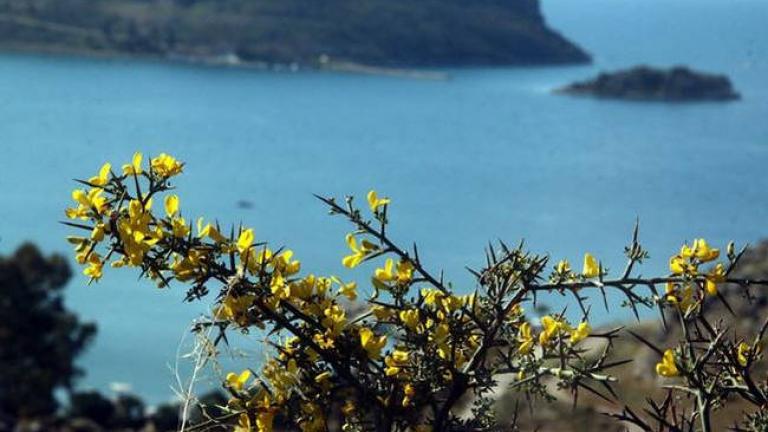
pixel 265 420
pixel 451 303
pixel 385 273
pixel 323 377
pixel 679 265
pixel 324 340
pixel 209 231
pixel 80 212
pixel 98 232
pixel 135 166
pixel 171 205
pixel 179 227
pixel 166 166
pixel 580 332
pixel 439 336
pixel 745 353
pixel 103 177
pixel 683 299
pixel 335 318
pixel 408 393
pixel 410 317
pixel 135 232
pixel 404 271
pixel 349 408
pixel 551 328
pixel 374 202
pixel 358 252
pixel 432 296
pixel 717 274
pixel 245 241
pixel 81 244
pixel 396 361
pixel 372 343
pixel 237 382
pixel 703 251
pixel 669 288
pixel 95 267
pixel 348 290
pixel 92 200
pixel 233 308
pixel 687 251
pixel 525 338
pixel 563 267
pixel 591 266
pixel 322 286
pixel 303 288
pixel 284 264
pixel 279 287
pixel 667 367
pixel 243 423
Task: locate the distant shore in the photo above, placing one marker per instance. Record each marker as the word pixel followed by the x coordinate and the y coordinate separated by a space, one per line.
pixel 396 38
pixel 232 62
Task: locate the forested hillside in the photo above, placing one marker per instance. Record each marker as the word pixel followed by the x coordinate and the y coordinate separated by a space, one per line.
pixel 308 32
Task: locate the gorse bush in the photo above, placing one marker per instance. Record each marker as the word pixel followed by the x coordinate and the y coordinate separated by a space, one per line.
pixel 408 359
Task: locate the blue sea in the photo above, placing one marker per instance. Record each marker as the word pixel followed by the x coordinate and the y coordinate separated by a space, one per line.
pixel 487 154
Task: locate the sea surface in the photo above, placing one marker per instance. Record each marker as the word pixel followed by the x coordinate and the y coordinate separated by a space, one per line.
pixel 487 154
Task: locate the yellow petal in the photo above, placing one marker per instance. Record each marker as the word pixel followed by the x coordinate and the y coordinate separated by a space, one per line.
pixel 245 241
pixel 244 376
pixel 548 323
pixel 351 242
pixel 103 176
pixel 135 166
pixel 136 162
pixel 171 205
pixel 352 261
pixel 80 196
pixel 365 336
pixel 374 202
pixel 591 266
pixel 372 199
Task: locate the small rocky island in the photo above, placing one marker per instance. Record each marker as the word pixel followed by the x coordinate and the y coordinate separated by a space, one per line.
pixel 677 84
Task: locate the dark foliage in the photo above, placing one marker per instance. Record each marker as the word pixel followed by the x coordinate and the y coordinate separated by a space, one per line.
pixel 39 338
pixel 93 406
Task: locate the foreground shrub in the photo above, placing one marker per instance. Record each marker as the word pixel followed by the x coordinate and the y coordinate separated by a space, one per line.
pixel 418 348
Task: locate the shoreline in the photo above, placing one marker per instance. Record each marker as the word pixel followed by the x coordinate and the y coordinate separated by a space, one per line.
pixel 232 62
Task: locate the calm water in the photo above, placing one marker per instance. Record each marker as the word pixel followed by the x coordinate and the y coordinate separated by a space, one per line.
pixel 487 154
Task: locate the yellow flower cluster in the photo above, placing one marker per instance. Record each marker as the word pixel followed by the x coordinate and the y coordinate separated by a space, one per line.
pixel 373 359
pixel 375 203
pixel 388 275
pixel 359 253
pixel 553 328
pixel 564 272
pixel 686 264
pixel 371 343
pixel 667 367
pixel 130 220
pixel 746 353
